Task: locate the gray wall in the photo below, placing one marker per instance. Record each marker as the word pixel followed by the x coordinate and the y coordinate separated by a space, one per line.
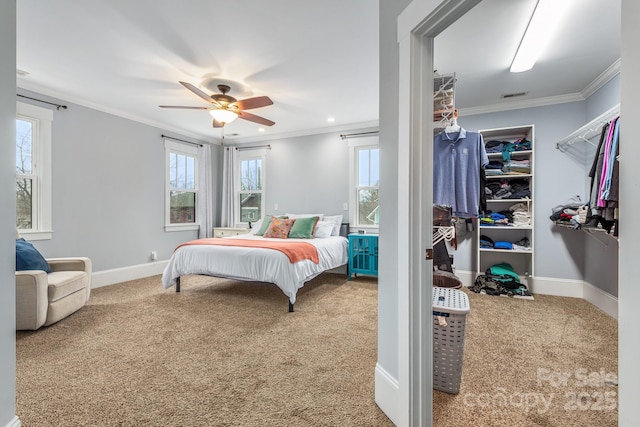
pixel 8 211
pixel 629 315
pixel 108 188
pixel 308 174
pixel 388 271
pixel 605 98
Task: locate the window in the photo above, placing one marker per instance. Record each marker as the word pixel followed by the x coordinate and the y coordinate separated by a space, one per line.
pixel 250 194
pixel 33 171
pixel 365 183
pixel 181 187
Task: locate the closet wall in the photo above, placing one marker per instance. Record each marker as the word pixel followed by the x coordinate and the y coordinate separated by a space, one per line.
pixel 564 256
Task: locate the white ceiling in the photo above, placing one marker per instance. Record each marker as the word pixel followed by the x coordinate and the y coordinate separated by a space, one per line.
pixel 313 59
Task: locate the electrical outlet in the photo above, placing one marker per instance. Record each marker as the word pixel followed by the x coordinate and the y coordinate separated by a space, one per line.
pixel 275 206
pixel 345 206
pixel 154 255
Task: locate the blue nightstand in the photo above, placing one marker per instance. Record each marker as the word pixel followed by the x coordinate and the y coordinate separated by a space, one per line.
pixel 363 255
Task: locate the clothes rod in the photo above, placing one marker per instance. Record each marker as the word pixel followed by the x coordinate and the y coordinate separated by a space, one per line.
pixel 58 106
pixel 181 140
pixel 588 131
pixel 254 147
pixel 350 135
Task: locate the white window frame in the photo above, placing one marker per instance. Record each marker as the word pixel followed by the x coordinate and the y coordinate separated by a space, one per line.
pixel 249 154
pixel 191 151
pixel 41 118
pixel 355 145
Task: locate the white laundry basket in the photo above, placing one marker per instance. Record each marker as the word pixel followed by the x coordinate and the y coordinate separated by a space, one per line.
pixel 450 309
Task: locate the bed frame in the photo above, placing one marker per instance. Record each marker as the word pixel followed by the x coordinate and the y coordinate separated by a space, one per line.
pixel 344 232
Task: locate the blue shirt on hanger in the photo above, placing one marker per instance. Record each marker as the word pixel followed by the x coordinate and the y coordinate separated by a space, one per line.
pixel 457 160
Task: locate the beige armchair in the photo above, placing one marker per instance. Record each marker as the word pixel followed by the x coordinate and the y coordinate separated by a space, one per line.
pixel 43 299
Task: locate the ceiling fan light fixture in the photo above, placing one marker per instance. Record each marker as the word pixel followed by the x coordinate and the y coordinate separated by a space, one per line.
pixel 223 116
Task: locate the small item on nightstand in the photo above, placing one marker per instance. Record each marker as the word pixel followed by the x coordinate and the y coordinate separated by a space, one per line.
pixel 249 224
pixel 361 231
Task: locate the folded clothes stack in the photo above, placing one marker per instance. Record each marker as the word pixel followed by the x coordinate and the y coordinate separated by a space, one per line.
pixel 507 189
pixel 521 215
pixel 519 166
pixel 571 212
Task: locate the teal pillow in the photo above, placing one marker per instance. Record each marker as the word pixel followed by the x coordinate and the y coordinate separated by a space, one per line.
pixel 265 224
pixel 28 257
pixel 303 228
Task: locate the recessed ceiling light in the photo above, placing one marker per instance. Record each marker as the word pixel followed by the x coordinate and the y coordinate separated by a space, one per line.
pixel 331 119
pixel 260 129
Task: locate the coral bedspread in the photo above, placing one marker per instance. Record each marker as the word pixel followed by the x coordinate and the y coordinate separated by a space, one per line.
pixel 295 251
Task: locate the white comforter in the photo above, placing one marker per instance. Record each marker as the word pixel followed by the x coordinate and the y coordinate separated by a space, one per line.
pixel 256 264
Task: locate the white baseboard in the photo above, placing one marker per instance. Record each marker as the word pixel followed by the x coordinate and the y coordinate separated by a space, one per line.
pixel 601 299
pixel 562 288
pixel 556 287
pixel 124 274
pixel 387 394
pixel 466 277
pixel 15 422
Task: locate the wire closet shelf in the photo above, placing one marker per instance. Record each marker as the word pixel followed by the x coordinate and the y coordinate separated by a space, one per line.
pixel 587 132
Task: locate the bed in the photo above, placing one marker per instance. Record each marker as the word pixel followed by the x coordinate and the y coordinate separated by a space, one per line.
pixel 234 260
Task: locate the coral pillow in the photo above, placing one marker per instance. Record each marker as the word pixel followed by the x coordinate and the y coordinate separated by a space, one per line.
pixel 279 228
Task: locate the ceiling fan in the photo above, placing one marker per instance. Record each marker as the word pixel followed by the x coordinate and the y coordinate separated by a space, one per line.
pixel 226 108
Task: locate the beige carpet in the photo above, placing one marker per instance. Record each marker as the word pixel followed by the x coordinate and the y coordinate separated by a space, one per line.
pixel 219 353
pixel 534 363
pixel 225 353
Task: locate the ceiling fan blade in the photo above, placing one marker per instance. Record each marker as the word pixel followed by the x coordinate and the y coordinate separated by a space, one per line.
pixel 257 102
pixel 185 107
pixel 217 124
pixel 255 119
pixel 198 92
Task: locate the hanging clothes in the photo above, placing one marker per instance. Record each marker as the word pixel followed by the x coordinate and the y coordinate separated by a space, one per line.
pixel 603 197
pixel 458 158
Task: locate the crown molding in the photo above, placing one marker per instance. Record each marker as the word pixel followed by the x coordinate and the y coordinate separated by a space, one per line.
pixel 525 103
pixel 22 84
pixel 604 78
pixel 306 132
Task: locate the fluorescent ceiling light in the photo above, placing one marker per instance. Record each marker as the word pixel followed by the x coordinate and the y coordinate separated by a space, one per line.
pixel 223 116
pixel 544 21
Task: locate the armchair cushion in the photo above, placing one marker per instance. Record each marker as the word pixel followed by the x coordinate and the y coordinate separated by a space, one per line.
pixel 28 257
pixel 44 299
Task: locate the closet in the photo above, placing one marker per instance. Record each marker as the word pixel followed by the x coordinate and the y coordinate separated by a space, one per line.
pixel 505 230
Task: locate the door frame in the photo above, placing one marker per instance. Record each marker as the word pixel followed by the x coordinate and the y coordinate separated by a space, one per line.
pixel 418 25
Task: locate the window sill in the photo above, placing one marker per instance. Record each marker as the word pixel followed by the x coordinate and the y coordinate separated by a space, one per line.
pixel 181 227
pixel 32 235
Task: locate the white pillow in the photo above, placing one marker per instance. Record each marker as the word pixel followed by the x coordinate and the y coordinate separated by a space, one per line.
pixel 294 216
pixel 255 226
pixel 323 229
pixel 337 222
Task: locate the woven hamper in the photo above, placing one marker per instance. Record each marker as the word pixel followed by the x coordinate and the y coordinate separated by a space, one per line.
pixel 450 309
pixel 445 279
